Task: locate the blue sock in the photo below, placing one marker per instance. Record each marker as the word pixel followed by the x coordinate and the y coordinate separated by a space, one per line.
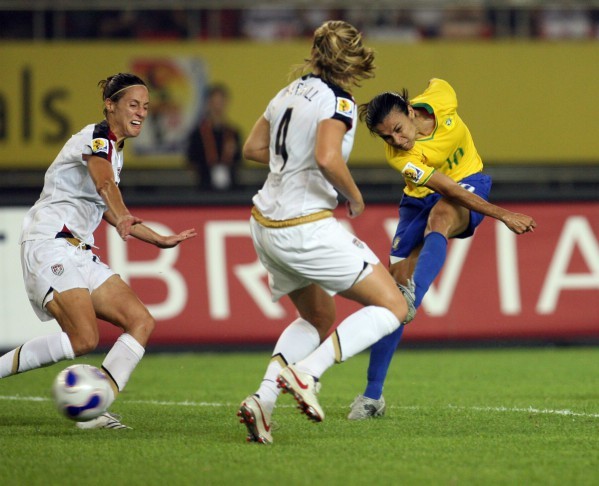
pixel 381 354
pixel 430 262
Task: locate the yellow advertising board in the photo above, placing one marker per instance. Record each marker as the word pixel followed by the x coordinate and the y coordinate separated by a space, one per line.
pixel 524 102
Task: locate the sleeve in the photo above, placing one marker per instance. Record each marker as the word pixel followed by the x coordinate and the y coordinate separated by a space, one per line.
pixel 339 106
pixel 99 144
pixel 411 165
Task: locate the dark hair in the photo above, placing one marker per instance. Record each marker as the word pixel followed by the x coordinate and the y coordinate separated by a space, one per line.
pixel 376 110
pixel 112 87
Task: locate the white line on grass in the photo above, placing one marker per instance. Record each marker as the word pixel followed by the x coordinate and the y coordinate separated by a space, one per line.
pixel 186 403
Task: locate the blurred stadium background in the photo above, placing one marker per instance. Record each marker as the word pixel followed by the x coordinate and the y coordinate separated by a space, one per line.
pixel 525 72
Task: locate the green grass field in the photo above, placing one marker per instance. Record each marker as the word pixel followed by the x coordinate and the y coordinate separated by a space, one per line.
pixel 513 417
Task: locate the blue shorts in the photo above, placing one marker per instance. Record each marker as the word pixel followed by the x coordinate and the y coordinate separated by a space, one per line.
pixel 414 211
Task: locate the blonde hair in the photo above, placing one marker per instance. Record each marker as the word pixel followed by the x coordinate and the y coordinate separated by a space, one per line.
pixel 338 55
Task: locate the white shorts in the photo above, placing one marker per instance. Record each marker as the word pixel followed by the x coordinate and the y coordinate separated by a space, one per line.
pixel 322 252
pixel 57 265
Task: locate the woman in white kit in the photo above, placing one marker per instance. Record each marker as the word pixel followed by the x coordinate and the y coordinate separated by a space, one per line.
pixel 306 135
pixel 63 278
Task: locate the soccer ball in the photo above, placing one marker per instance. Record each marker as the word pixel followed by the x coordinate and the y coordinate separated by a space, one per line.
pixel 82 392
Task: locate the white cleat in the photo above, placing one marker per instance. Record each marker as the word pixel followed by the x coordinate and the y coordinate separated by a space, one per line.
pixel 104 421
pixel 252 414
pixel 363 408
pixel 304 389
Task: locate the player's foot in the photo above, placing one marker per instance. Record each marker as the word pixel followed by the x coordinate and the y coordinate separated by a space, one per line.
pixel 104 421
pixel 304 389
pixel 363 408
pixel 257 420
pixel 408 293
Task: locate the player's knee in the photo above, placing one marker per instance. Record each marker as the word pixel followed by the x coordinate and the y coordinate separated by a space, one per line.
pixel 322 320
pixel 143 326
pixel 84 342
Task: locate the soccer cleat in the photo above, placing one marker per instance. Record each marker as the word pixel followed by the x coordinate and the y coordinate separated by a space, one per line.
pixel 104 421
pixel 408 292
pixel 252 414
pixel 304 389
pixel 363 408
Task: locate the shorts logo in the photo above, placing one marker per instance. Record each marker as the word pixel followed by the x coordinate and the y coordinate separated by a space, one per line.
pixel 345 107
pixel 413 173
pixel 57 269
pixel 358 243
pixel 99 145
pixel 449 122
pixel 395 243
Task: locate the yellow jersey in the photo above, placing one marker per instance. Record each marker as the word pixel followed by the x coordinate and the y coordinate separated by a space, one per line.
pixel 448 149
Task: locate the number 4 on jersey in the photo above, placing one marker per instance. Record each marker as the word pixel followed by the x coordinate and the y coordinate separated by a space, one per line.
pixel 280 147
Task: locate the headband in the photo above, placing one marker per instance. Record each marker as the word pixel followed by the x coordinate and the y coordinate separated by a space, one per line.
pixel 122 89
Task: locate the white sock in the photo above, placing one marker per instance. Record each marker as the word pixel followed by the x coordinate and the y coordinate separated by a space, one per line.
pixel 298 340
pixel 37 353
pixel 122 359
pixel 356 333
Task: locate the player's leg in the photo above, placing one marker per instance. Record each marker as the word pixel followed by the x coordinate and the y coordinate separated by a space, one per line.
pixel 384 309
pixel 56 289
pixel 115 302
pixel 405 248
pixel 381 353
pixel 445 220
pixel 317 314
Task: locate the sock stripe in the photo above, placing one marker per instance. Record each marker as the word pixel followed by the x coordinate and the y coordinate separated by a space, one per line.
pixel 280 359
pixel 337 347
pixel 16 360
pixel 113 382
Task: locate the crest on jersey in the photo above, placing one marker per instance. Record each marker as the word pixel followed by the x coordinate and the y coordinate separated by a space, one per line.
pixel 99 145
pixel 57 269
pixel 449 122
pixel 345 107
pixel 413 173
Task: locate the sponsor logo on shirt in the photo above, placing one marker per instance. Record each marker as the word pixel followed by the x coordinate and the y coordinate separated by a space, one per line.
pixel 345 107
pixel 99 145
pixel 413 173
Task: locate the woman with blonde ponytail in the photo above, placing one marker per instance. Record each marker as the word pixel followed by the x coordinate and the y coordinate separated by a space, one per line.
pixel 306 136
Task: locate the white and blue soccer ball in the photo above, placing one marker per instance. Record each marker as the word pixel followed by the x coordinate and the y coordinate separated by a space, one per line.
pixel 82 392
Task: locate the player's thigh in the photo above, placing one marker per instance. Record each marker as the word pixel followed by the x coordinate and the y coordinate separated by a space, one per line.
pixel 115 302
pixel 379 289
pixel 448 218
pixel 74 311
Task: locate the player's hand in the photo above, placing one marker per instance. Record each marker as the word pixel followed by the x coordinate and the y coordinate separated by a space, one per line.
pixel 124 225
pixel 354 208
pixel 519 223
pixel 173 240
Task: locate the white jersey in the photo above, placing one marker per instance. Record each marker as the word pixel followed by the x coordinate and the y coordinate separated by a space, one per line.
pixel 69 201
pixel 295 185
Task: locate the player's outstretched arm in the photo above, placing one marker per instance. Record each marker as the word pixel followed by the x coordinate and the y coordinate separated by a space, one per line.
pixel 148 235
pixel 447 187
